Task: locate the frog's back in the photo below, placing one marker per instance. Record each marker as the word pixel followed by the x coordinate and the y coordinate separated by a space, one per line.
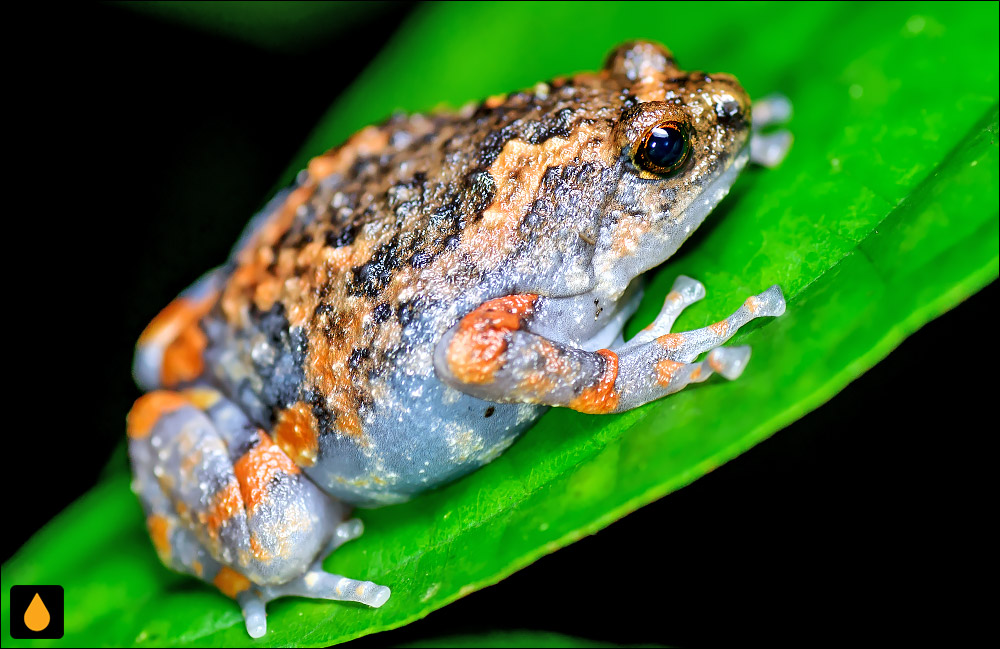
pixel 326 323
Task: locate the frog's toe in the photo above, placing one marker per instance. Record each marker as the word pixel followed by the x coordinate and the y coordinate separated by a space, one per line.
pixel 314 583
pixel 689 289
pixel 688 345
pixel 685 292
pixel 253 613
pixel 769 303
pixel 729 361
pixel 318 584
pixel 769 149
pixel 344 532
pixel 772 109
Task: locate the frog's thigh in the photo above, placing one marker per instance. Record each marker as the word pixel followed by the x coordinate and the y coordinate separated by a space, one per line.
pixel 492 354
pixel 169 350
pixel 227 505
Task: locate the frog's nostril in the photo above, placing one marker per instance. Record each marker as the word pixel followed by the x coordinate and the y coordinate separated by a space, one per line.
pixel 727 109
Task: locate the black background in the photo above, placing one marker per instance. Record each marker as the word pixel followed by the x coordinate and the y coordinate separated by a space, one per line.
pixel 143 147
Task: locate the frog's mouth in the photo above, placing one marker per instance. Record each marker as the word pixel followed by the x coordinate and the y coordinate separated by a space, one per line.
pixel 679 229
pixel 670 233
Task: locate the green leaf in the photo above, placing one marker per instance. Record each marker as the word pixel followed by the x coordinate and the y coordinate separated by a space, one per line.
pixel 883 217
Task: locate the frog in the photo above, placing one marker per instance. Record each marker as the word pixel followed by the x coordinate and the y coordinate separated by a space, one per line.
pixel 416 299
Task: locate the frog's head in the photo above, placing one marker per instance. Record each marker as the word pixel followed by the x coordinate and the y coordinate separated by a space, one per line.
pixel 680 141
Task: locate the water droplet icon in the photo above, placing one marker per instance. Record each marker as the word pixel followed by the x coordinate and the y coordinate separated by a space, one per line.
pixel 36 617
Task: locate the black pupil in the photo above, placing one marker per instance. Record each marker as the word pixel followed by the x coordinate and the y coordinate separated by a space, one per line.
pixel 665 147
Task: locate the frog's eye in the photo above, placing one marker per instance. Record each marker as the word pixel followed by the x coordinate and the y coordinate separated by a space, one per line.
pixel 663 148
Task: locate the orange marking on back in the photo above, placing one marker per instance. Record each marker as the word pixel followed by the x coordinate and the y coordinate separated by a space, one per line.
pixel 326 369
pixel 255 280
pixel 257 468
pixel 182 359
pixel 476 351
pixel 159 532
pixel 148 409
pixel 752 304
pixel 518 172
pixel 297 433
pixel 494 100
pixel 230 582
pixel 673 297
pixel 600 398
pixel 719 328
pixel 226 503
pixel 295 278
pixel 251 280
pixel 368 141
pixel 695 373
pixel 666 370
pixel 347 421
pixel 671 341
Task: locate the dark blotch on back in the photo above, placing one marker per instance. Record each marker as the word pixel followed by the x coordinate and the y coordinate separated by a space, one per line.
pixel 357 356
pixel 382 312
pixel 534 127
pixel 280 370
pixel 343 237
pixel 372 277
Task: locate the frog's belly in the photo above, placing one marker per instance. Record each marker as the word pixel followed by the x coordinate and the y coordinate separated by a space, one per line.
pixel 416 433
pixel 421 435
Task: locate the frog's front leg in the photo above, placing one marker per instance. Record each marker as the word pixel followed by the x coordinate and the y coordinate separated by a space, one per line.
pixel 226 504
pixel 769 149
pixel 493 354
pixel 683 293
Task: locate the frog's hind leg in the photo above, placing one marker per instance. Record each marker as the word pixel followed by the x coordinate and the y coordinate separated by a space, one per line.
pixel 175 543
pixel 315 583
pixel 226 504
pixel 169 350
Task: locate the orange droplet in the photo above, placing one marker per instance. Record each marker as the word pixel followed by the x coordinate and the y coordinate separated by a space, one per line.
pixel 37 616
